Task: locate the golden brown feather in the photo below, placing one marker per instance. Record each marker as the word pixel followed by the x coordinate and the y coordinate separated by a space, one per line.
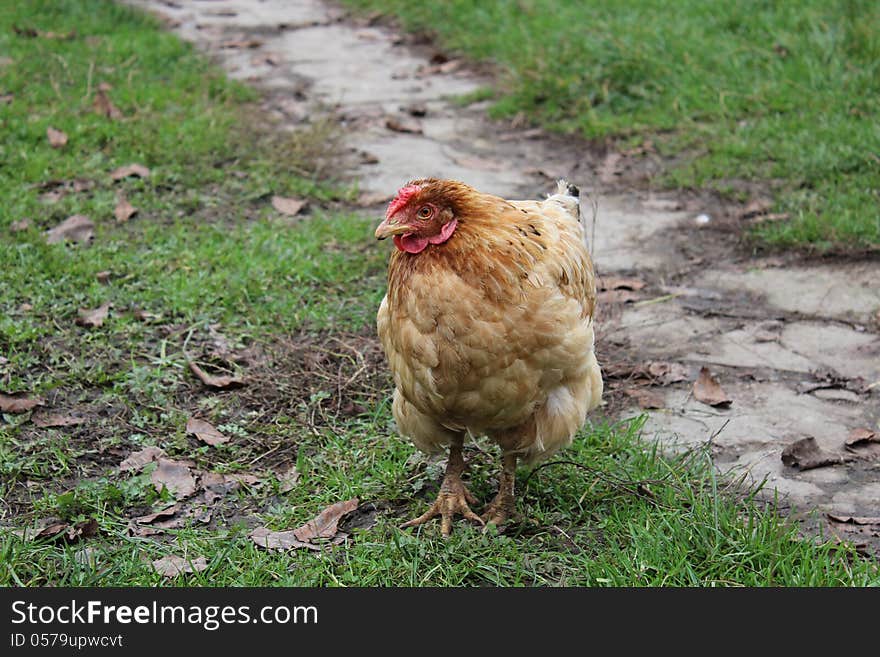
pixel 487 326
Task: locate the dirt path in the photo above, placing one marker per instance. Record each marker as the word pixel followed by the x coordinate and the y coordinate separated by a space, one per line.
pixel 794 345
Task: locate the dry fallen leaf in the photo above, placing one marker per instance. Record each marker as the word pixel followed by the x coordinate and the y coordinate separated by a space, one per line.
pixel 77 228
pixel 860 436
pixel 288 478
pixel 403 125
pixel 66 532
pixel 617 296
pixel 144 315
pixel 646 398
pixel 103 105
pixel 17 404
pixel 667 372
pixel 123 210
pixel 103 277
pixel 325 524
pixel 242 44
pixel 43 420
pixel 175 476
pixel 6 99
pixel 172 565
pixel 709 391
pixel 153 517
pixel 213 381
pixel 755 207
pixel 57 138
pixel 854 520
pixel 93 318
pixel 620 283
pixel 137 460
pixel 205 432
pixel 266 538
pixel 805 454
pixel 288 206
pixel 20 225
pixel 136 170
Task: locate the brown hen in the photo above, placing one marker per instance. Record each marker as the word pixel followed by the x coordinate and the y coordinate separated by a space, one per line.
pixel 488 329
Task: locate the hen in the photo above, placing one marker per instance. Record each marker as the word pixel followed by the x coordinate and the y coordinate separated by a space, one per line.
pixel 488 329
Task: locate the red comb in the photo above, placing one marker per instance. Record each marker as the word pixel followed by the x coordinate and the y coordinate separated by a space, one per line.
pixel 404 194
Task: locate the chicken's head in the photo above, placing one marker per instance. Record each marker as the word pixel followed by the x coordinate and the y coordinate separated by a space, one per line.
pixel 416 217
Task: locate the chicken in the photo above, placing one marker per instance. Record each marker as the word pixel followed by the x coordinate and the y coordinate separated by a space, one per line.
pixel 487 326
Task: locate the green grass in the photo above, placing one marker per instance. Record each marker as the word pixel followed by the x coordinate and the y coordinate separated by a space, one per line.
pixel 289 305
pixel 782 94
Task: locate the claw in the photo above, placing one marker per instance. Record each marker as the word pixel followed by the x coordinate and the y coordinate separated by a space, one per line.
pixel 454 498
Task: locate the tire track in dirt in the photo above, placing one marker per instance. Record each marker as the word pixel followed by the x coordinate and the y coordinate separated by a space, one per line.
pixel 795 344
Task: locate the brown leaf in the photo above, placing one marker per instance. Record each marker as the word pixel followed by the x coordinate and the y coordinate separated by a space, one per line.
pixel 288 206
pixel 84 529
pixel 620 283
pixel 77 228
pixel 205 432
pixel 103 277
pixel 241 44
pixel 57 138
pixel 136 170
pixel 144 316
pixel 175 476
pixel 646 398
pixel 152 517
pixel 103 105
pixel 416 109
pixel 93 318
pixel 20 225
pixel 66 532
pixel 213 381
pixel 172 565
pixel 667 372
pixel 288 478
pixel 617 296
pixel 755 207
pixel 709 391
pixel 124 210
pixel 6 99
pixel 855 520
pixel 17 404
pixel 43 420
pixel 860 436
pixel 137 460
pixel 325 524
pixel 403 125
pixel 805 454
pixel 266 538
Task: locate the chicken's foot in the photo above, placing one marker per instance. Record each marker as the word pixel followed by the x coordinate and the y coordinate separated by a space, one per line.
pixel 502 507
pixel 454 497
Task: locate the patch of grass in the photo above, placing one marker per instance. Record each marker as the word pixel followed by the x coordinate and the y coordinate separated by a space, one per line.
pixel 289 306
pixel 578 529
pixel 786 93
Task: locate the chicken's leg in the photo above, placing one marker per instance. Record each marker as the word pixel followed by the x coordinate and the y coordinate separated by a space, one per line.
pixel 502 507
pixel 454 497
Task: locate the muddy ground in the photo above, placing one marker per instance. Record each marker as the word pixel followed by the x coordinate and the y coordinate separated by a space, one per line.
pixel 793 342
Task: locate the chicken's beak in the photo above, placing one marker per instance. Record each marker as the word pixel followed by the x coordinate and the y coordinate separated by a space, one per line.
pixel 388 228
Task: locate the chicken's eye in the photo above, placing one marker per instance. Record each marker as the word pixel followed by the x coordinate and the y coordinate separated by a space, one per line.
pixel 425 212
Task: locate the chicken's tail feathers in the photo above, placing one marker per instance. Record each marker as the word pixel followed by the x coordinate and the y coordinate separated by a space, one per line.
pixel 565 188
pixel 568 196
